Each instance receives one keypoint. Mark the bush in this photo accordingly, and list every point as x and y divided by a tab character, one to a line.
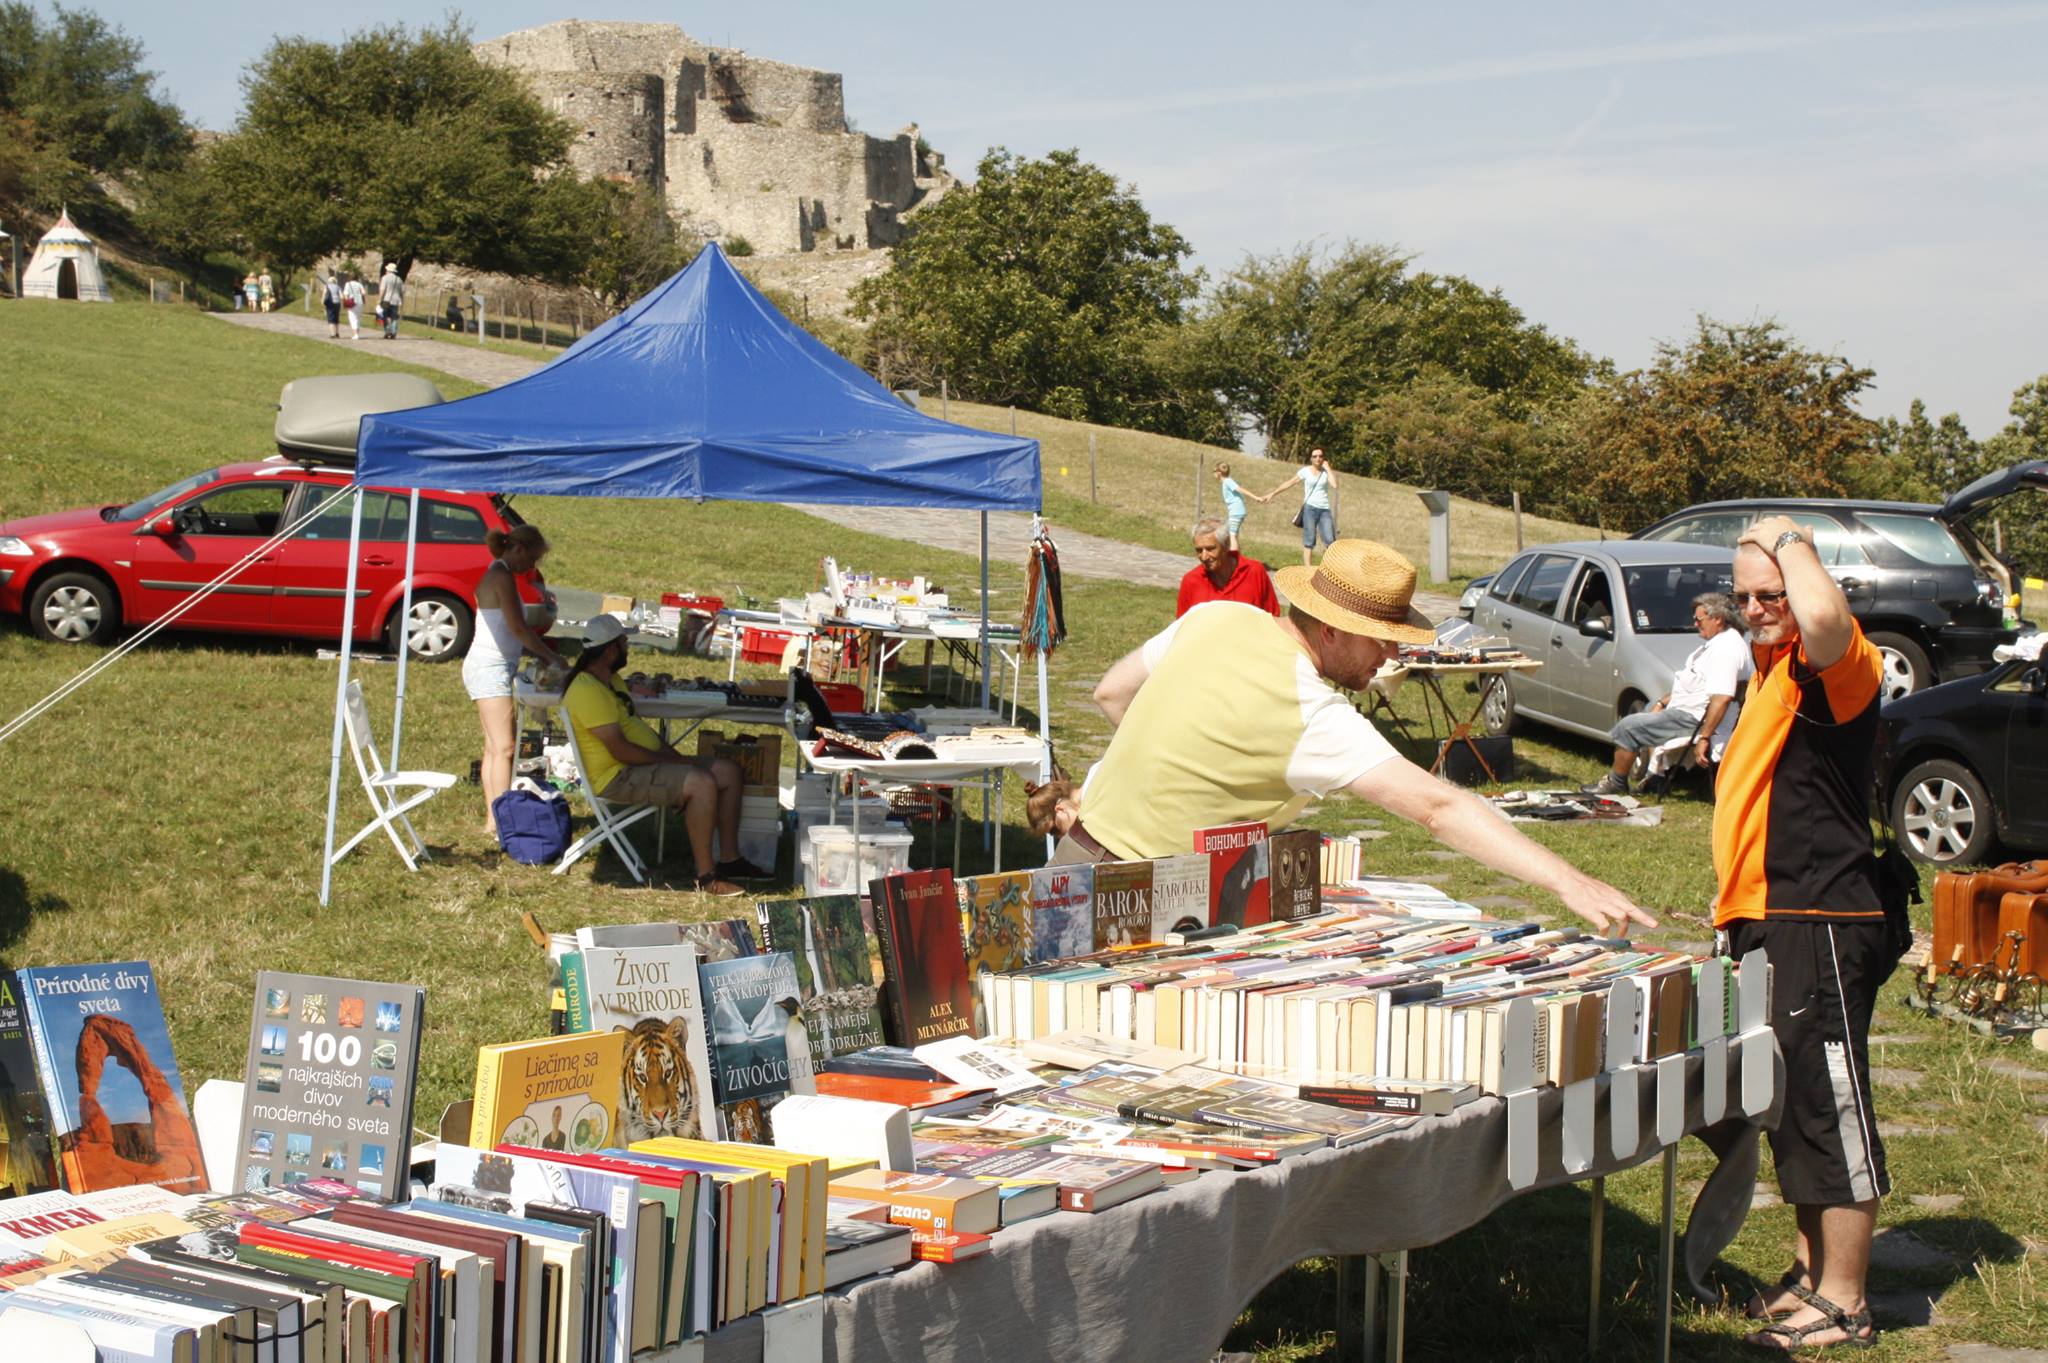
737	245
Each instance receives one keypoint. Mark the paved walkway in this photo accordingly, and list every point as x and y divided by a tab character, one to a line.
1009	533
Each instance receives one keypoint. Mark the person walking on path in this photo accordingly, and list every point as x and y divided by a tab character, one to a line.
330	299
1233	505
1318	504
1798	877
502	636
390	295
352	300
267	289
252	292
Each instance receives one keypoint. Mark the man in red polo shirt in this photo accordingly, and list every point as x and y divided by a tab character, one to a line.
1223	574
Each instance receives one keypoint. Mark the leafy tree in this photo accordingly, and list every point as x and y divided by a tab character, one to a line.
1045	283
76	106
1737	410
405	143
635	246
1443	431
1916	460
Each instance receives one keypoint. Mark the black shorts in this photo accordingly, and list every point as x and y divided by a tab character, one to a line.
333	314
1824	983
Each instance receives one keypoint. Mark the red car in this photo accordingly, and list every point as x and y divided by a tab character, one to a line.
82	576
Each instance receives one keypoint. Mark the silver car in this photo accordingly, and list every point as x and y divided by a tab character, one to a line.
1610	620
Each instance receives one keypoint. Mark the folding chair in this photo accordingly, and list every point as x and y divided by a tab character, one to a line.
383	786
612	820
1662	763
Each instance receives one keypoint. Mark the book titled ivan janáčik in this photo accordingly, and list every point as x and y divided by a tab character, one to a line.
924	958
328	1087
116	1100
826	939
759	1048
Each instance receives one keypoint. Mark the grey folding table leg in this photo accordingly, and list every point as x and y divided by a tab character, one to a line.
1351	1309
1597	1232
1667	1252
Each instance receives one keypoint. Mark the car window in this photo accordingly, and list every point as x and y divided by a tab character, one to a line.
251	509
156	501
383	515
1719	528
1834	542
1921	537
1504	581
1542	587
445	523
1660	596
1592	595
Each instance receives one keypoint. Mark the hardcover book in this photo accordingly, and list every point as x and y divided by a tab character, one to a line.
1180	894
556	1093
1123	904
924	963
1296	880
31	1165
997	922
834	974
119	1123
328	1085
926	1201
759	1048
1062	912
1237	872
654	998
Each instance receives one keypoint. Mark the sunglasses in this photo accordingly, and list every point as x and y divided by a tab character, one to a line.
1760	598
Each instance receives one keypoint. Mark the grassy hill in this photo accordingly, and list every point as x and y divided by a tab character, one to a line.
172	811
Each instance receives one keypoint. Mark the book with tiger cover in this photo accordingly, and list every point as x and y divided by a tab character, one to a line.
929	995
1123	904
653	996
116	1100
31	1163
1237	873
555	1093
835	974
1062	912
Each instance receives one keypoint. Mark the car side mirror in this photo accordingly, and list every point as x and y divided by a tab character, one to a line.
2037	681
163	527
1598	626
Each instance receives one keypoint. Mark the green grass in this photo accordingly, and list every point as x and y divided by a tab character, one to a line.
172	811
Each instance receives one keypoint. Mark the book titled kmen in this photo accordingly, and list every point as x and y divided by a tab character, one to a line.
328	1087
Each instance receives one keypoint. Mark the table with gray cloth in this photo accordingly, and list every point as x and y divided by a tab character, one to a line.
1164	1276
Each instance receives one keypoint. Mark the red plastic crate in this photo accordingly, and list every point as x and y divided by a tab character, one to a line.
844	697
764	645
710	605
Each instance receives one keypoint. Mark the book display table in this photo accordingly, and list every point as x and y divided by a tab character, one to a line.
982	769
1164	1276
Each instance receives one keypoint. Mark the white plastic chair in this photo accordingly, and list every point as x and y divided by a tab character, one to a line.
612	820
384	787
1665	760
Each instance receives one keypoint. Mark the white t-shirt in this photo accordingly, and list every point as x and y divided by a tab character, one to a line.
1717	667
1315	487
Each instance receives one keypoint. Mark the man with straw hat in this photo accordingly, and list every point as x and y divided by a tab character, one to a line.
1231	715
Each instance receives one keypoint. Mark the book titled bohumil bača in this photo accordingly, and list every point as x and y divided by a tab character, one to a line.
924	961
556	1093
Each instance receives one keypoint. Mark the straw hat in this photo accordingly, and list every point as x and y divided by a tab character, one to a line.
1361	587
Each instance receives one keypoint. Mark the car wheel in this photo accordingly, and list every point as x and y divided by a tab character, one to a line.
1499	710
1906	669
75	608
1942	813
1631	704
440	630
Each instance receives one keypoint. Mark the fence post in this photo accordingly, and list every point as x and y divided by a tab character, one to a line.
1091	467
945	402
1518	522
544	324
1198	485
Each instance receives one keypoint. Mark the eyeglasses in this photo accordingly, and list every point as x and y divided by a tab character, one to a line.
1760	598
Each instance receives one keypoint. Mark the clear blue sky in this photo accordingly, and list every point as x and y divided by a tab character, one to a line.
1872	175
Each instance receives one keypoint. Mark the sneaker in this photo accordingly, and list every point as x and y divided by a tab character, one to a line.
739	868
1610	784
718	887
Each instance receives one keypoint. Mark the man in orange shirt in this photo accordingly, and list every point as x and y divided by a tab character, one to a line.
1792	853
1221	573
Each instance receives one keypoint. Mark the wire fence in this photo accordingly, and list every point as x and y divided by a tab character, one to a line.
500	317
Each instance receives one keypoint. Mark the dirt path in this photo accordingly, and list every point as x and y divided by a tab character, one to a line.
1009	533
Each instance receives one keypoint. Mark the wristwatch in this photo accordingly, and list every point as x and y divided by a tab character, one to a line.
1789	537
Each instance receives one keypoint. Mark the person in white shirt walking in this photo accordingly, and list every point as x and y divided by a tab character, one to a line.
352	299
390	295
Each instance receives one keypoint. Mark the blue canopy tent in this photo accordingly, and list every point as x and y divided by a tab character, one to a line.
702	390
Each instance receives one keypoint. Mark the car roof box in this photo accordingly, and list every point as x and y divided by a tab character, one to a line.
2025	474
317	418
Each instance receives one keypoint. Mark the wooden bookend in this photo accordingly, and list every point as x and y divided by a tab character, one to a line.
1518	1047
794	1332
1522	1137
1713	998
1670	1099
1759	1070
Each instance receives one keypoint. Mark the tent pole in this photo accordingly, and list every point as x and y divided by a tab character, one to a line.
412	539
989	813
348	634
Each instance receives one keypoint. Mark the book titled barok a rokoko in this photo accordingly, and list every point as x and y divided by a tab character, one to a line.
557	1093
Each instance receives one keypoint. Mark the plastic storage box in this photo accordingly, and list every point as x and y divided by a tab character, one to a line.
828	857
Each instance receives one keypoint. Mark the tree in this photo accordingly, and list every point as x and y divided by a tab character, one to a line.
1916	460
1443	431
1737	410
635	245
404	143
75	107
1046	284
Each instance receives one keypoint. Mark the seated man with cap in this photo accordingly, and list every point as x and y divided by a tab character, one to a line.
629	764
1231	715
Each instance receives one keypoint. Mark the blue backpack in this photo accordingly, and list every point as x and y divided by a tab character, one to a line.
533	828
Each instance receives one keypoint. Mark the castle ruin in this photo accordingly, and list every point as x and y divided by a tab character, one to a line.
737	146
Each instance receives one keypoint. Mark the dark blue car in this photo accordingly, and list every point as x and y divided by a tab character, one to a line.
1963	768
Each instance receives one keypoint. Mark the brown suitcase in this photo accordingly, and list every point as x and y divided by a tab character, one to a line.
1966	908
2026	914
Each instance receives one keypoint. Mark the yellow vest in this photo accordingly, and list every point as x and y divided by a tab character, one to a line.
1207	739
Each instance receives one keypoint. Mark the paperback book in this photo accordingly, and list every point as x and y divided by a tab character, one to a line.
113	1123
1180	895
1294	862
835	977
1237	872
328	1085
924	962
1123	904
759	1048
1062	912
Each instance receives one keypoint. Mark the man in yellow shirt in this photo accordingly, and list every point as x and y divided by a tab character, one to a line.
1231	715
629	764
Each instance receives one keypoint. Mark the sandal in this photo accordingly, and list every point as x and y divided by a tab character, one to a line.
1792	1338
713	884
1801	1293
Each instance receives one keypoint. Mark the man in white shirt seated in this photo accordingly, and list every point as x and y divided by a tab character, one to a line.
1700	703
